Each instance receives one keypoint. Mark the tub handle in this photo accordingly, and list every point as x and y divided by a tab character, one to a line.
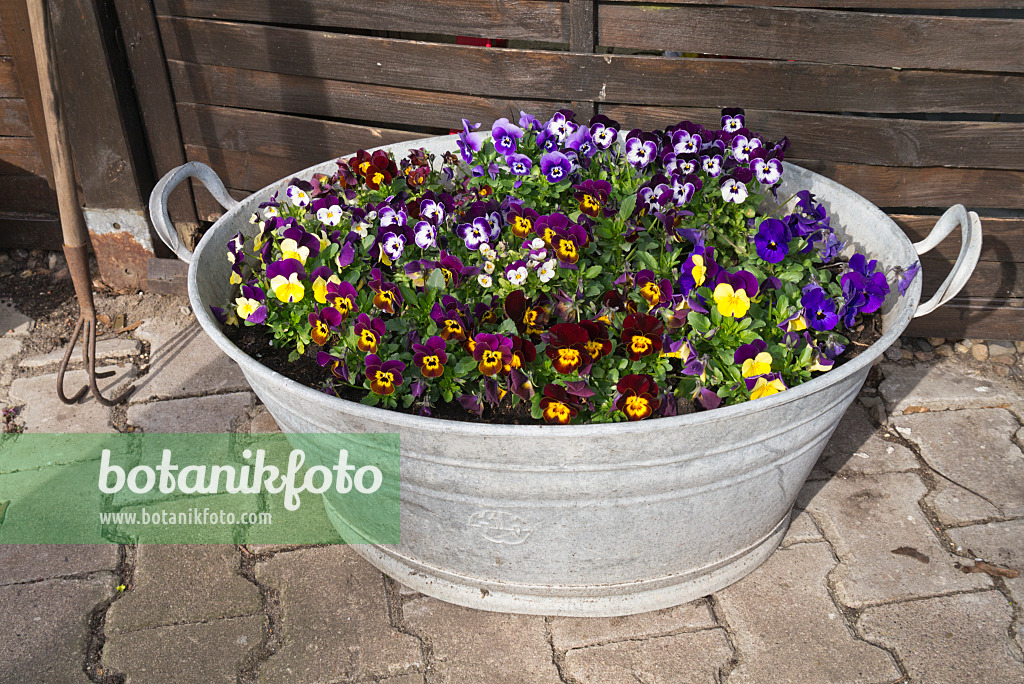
158	202
970	251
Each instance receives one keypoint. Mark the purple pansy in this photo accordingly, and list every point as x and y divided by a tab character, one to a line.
907	277
424	235
555	166
474	234
384	376
393	245
604	131
772	241
641	150
470	140
819	308
732	119
504	134
519	164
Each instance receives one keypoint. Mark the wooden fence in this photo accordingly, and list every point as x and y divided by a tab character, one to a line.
915	104
28	205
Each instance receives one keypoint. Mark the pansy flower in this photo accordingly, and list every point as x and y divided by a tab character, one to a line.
581	142
387	298
369	332
430	357
641	149
424	235
641	335
560	125
686	143
699	267
432	211
470	140
555	166
656	293
731	303
545	226
546	270
523	353
474	234
638	396
342	296
392	245
711	165
384	376
557	405
706	398
450	323
336	365
753	358
819	308
390	217
567	242
521	219
299	192
732	119
742	146
592	196
516	272
567	347
598	344
251	306
323	322
683	188
907	277
298	243
321	277
765	385
504	134
286	278
519	164
492	353
604	131
766	171
734	191
772	241
328	210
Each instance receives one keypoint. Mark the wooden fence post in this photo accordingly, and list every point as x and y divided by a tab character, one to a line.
108	148
582	39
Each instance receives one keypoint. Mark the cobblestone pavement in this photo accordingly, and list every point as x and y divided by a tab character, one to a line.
878	581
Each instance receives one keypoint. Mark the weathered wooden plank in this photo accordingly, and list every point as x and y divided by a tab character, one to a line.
562	77
247	89
99	138
280	135
167	276
5	47
540	20
862	140
19	157
148	67
26	195
30	232
8	78
14	117
582	26
827	36
853	4
991	279
14	14
991	319
893	186
250	171
1003	238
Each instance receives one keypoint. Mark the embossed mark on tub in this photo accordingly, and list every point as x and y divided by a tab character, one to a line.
500	527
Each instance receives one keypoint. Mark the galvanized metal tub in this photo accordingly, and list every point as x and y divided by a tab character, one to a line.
592	520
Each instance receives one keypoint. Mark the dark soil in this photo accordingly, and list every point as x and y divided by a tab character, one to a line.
255	341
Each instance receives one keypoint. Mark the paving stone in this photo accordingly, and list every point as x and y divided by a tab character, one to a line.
802	529
9	348
787	629
12	321
174	584
1001	543
184	362
943	386
263	422
857	447
211	652
954	505
107	349
45	412
335	622
694	658
472	646
570	633
975	450
30	563
44	629
216	413
949	640
866	518
31	498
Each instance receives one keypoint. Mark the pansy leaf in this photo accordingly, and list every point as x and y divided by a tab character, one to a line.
592	272
435	281
507	327
370	399
407	400
408	294
465	364
627	207
368	242
648	259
